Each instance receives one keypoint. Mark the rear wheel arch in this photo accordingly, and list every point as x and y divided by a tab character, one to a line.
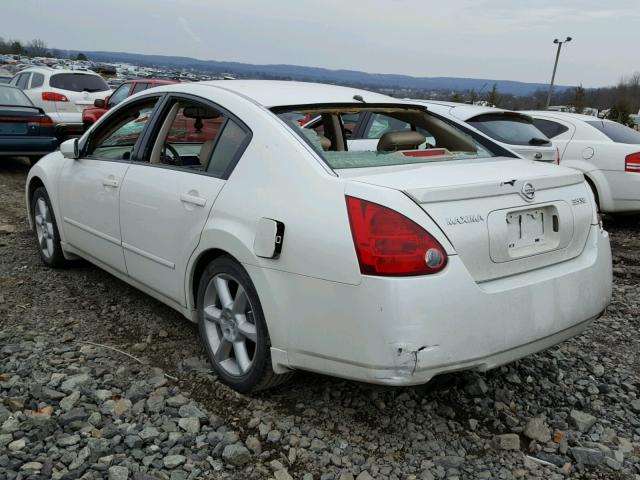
204	259
594	189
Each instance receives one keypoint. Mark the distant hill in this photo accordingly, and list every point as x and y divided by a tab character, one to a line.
296	72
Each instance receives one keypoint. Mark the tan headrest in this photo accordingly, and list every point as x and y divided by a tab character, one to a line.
325	143
393	141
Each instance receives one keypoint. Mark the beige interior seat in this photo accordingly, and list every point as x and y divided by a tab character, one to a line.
394	141
325	143
205	151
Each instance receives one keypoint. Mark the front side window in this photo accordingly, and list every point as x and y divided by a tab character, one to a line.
78	82
509	129
119	95
616	131
401	135
116	138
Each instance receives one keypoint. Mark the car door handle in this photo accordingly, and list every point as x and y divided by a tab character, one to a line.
193	199
110	182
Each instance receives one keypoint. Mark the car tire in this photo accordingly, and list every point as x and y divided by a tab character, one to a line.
233	328
46	231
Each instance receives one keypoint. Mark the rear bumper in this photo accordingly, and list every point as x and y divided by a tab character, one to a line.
27	146
405	331
67	122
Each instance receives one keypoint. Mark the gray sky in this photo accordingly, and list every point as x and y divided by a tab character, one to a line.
497	39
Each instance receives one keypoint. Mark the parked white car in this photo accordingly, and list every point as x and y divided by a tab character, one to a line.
512	130
608	153
62	94
387	266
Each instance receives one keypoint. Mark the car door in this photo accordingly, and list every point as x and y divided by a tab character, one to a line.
89	187
167	196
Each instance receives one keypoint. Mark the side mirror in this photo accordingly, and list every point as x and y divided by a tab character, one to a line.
70	149
100	103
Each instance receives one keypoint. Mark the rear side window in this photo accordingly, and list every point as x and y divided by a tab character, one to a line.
23	80
617	132
138	87
549	128
12	96
229	147
510	129
78	82
37	80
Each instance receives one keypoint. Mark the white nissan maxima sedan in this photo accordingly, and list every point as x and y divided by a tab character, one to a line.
291	252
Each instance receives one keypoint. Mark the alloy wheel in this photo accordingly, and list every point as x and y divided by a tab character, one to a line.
44	227
229	324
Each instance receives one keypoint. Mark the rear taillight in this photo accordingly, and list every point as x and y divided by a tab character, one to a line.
557	156
632	163
54	97
46	121
389	244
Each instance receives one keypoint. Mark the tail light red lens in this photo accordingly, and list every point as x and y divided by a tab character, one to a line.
632	163
389	244
54	97
46	121
557	156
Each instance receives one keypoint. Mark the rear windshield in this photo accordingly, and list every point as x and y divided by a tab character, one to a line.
616	131
78	82
355	136
13	97
510	129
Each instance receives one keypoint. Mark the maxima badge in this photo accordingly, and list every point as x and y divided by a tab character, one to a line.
528	192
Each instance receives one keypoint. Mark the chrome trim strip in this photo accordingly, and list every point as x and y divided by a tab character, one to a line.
150	256
92	231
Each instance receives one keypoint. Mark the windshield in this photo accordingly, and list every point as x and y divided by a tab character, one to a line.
12	96
361	136
510	129
78	82
617	132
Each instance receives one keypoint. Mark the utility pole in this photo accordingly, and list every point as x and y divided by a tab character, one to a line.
555	66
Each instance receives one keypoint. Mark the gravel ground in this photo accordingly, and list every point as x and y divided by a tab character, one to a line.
73	407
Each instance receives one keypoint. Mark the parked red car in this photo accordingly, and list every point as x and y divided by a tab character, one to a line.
92	114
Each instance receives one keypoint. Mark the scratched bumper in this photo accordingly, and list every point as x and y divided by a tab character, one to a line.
403	331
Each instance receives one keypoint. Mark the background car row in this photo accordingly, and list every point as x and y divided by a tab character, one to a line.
607	153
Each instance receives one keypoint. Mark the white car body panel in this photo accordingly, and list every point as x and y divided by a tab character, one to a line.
88	193
322	313
602	160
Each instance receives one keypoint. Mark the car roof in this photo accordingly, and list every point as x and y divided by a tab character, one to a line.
575	116
465	112
276	93
151	80
56	70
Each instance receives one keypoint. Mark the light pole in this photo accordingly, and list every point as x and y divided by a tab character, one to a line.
555	66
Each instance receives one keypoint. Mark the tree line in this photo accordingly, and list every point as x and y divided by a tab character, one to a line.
620	100
34	48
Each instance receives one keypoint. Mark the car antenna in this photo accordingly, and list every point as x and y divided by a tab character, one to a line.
358	98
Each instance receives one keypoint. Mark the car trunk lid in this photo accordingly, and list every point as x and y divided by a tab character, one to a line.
502	216
20	120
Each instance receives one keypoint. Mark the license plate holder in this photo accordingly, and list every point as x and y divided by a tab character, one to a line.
525	228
